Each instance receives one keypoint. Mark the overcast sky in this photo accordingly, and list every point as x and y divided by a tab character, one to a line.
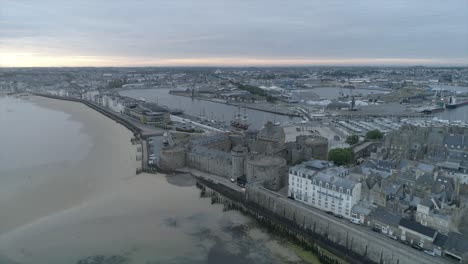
235	32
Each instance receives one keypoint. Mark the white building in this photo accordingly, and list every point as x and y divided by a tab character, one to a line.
326	189
90	95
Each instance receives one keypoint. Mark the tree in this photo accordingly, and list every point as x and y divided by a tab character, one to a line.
353	139
374	134
341	156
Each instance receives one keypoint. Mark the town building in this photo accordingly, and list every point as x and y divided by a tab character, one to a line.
323	186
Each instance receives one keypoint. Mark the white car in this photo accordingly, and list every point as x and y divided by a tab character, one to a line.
355	221
430	253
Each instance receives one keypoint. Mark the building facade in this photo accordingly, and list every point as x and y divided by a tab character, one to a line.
325	189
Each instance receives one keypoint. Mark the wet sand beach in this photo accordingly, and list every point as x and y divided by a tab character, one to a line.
97	208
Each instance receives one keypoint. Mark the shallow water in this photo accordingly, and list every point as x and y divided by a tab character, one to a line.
90	207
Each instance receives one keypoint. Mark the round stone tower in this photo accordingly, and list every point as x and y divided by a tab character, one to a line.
238	154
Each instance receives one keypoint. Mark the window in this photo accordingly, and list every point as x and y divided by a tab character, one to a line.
341	190
327	186
334	188
348	192
320	184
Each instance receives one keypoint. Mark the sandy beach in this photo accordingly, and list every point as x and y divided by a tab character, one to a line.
97	206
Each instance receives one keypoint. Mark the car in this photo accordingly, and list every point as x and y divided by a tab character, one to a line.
233	180
355	221
329	212
430	253
393	237
417	247
375	229
404	242
338	216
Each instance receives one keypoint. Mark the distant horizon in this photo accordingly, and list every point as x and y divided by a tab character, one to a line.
271	63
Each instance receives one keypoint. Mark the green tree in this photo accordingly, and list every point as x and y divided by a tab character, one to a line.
353	139
374	134
341	156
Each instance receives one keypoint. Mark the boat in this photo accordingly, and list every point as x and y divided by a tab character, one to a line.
452	103
431	110
240	122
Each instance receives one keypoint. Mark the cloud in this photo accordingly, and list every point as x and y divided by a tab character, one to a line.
209	29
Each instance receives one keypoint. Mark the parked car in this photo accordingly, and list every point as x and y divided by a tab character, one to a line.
404	242
392	237
329	212
355	221
375	229
233	180
417	247
338	216
430	253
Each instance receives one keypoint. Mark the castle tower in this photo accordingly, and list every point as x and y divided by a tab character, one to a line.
238	156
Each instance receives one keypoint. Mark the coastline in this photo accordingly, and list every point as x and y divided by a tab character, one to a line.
100	207
54	189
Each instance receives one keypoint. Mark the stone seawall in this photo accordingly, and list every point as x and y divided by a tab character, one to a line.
136	130
353	243
346	236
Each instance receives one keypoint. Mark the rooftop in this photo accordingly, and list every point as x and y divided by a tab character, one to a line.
417	227
382	215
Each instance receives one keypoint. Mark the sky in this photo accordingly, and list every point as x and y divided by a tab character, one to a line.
232	32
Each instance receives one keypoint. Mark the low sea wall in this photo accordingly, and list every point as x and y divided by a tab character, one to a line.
313	228
136	130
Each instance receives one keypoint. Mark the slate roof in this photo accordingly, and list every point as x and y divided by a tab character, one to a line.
385	165
440	240
443	183
382	215
361	209
425	180
334	180
425	167
455	140
456	242
417	227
